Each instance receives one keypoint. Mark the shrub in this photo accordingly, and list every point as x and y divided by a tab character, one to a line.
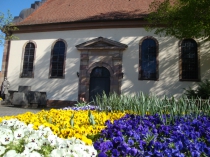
202	91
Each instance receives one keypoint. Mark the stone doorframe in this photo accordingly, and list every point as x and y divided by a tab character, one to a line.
100	52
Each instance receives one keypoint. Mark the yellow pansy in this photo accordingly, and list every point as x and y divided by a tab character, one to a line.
59	122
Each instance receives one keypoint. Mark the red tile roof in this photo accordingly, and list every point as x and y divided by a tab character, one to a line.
57	11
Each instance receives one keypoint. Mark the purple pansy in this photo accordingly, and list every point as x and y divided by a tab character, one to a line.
134	135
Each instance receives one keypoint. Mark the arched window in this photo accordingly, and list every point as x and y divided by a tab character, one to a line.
28	60
189	60
148	59
57	60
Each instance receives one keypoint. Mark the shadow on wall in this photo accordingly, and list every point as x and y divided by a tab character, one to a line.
204	49
168	83
55	88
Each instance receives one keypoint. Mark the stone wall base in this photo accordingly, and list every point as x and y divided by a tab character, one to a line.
60	103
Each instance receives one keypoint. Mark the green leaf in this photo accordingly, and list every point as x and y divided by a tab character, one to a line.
180	18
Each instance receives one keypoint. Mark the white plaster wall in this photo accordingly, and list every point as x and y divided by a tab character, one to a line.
67	89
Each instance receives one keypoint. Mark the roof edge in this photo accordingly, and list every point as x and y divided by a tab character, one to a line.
81	25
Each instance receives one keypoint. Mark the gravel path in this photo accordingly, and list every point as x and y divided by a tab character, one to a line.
13	110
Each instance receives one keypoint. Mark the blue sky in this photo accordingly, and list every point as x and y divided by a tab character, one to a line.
15	7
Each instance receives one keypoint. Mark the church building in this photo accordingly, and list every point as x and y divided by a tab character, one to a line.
75	49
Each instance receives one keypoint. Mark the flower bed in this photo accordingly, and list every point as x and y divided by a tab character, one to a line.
20	140
130	135
61	124
135	135
113	132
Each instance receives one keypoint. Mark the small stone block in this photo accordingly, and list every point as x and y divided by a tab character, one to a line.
34	105
19	98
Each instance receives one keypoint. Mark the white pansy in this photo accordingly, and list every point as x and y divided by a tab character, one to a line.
33	138
81	153
19	124
2	150
26	153
28	132
41	127
5	139
78	147
78	141
10	153
62	146
56	153
47	129
91	151
13	131
66	153
61	141
69	143
30	128
52	139
5	129
43	142
5	122
59	153
31	146
19	155
19	134
11	122
74	154
35	154
42	133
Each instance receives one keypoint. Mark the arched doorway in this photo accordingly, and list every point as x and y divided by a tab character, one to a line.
99	82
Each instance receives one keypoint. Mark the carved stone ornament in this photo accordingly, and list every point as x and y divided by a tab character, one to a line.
101	43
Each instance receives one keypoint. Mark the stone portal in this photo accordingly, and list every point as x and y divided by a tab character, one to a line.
100	53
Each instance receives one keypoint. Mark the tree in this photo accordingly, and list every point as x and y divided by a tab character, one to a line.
6	27
180	18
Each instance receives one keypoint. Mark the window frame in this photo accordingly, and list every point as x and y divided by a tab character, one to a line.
23	56
51	59
140	59
181	59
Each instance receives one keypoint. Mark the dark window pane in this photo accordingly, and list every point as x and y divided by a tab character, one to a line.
25	66
30	45
25	59
57	61
189	59
56	45
54	73
54	66
27	51
31	58
55	51
60	73
28	60
148	59
60	65
30	65
55	58
31	52
61	50
61	58
61	44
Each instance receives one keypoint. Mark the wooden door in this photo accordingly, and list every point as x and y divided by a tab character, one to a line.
99	82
